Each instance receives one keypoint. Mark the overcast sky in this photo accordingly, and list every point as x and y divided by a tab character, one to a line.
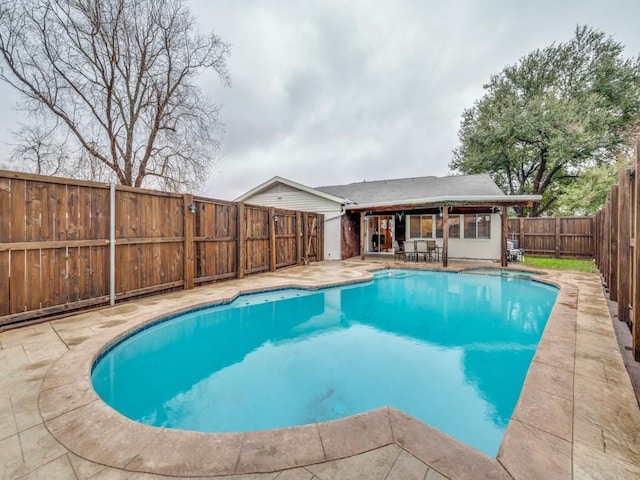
331	92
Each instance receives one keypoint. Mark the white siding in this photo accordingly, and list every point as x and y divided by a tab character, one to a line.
286	197
474	248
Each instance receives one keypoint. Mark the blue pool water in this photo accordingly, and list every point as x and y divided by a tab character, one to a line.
449	349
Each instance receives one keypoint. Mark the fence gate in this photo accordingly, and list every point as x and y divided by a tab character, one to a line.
313	237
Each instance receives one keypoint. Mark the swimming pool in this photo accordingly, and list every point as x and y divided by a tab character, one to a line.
449	349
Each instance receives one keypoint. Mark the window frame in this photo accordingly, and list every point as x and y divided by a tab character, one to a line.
422	220
475	222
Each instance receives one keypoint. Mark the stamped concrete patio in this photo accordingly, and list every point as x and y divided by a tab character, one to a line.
577	416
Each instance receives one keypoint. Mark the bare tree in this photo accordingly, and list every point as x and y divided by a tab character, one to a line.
37	151
120	77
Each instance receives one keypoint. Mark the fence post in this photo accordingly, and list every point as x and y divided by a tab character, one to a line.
272	239
557	237
635	297
504	235
240	243
363	230
305	236
299	236
188	223
613	249
445	235
624	246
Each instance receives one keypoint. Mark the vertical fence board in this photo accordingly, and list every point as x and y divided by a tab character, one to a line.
84	213
46	281
17	210
7	191
84	266
4	283
99	271
18	282
32	280
624	245
60	276
32	206
613	245
73	290
58	208
72	212
5	211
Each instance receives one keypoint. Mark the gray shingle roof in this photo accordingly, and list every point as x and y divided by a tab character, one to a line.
397	190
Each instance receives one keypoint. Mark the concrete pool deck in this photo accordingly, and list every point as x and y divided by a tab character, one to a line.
577	416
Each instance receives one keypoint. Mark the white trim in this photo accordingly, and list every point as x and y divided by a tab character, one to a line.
275	180
454	198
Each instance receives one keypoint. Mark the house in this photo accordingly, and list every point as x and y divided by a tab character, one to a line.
465	214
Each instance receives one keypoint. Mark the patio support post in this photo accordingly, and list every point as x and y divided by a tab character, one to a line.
445	235
362	234
505	232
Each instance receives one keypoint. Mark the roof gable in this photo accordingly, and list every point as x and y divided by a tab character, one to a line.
275	181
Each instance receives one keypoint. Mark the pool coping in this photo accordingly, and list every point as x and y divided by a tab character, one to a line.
540	429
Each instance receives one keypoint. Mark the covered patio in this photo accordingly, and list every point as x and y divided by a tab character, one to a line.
445	213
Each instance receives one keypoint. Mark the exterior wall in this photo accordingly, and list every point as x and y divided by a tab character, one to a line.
472	248
286	197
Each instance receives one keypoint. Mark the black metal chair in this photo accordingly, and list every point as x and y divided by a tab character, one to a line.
432	254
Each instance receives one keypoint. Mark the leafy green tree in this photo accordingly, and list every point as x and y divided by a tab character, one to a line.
558	111
588	193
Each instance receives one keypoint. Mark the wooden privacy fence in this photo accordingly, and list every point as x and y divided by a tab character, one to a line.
554	237
616	255
63	246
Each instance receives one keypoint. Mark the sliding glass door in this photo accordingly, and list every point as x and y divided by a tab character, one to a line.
379	234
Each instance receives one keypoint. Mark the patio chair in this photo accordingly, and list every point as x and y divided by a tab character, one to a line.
397	251
432	254
410	250
421	249
514	254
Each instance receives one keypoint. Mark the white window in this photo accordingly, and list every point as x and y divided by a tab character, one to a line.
421	226
477	226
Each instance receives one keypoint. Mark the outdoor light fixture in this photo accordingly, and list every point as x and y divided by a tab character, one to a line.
192	207
275	217
441	210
